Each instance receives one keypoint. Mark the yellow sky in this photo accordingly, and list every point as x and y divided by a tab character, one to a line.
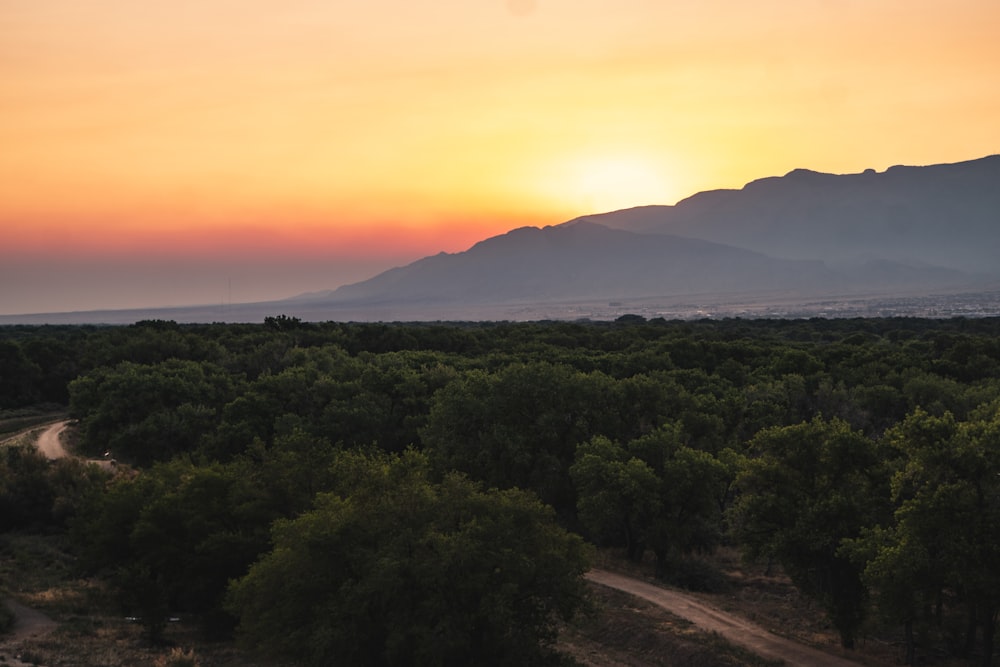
322	130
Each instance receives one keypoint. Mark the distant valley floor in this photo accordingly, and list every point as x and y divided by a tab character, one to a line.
939	304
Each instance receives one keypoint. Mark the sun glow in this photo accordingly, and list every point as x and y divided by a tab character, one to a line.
611	182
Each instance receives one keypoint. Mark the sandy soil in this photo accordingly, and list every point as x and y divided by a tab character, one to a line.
732	628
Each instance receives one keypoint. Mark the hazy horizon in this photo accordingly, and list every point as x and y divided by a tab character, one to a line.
174	154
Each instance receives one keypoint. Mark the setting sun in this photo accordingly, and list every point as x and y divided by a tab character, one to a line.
601	184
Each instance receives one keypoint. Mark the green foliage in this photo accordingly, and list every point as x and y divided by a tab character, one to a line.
631	430
144	593
804	491
36	492
398	570
693	488
944	539
145	413
518	427
25	496
174	536
618	497
655	492
283	323
19	377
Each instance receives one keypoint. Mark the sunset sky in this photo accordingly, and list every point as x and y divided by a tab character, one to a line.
162	153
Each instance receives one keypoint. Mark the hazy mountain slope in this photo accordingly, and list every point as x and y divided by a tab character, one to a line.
585	260
941	215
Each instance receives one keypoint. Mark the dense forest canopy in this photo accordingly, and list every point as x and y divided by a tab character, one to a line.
293	482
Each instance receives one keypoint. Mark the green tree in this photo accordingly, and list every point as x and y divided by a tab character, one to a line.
59	362
692	490
518	427
25	495
904	577
146	413
901	565
398	570
654	493
944	542
19	377
173	537
805	490
617	495
36	492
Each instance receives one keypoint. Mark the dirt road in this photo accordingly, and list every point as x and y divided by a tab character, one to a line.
732	628
48	442
30	622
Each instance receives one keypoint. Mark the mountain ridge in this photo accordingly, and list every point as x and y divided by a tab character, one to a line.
806	234
805	242
581	260
841	217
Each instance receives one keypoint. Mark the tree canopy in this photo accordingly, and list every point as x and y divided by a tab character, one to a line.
368	458
398	570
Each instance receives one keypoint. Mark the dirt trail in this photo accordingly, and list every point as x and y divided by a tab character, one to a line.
30	622
734	629
48	442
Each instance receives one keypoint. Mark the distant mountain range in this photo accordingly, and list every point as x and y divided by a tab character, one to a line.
805	237
945	216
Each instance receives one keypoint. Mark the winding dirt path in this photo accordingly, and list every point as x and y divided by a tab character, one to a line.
48	442
734	629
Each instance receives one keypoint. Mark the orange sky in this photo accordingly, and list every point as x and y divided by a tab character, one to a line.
168	153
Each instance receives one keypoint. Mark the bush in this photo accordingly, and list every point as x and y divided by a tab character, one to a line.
694	574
